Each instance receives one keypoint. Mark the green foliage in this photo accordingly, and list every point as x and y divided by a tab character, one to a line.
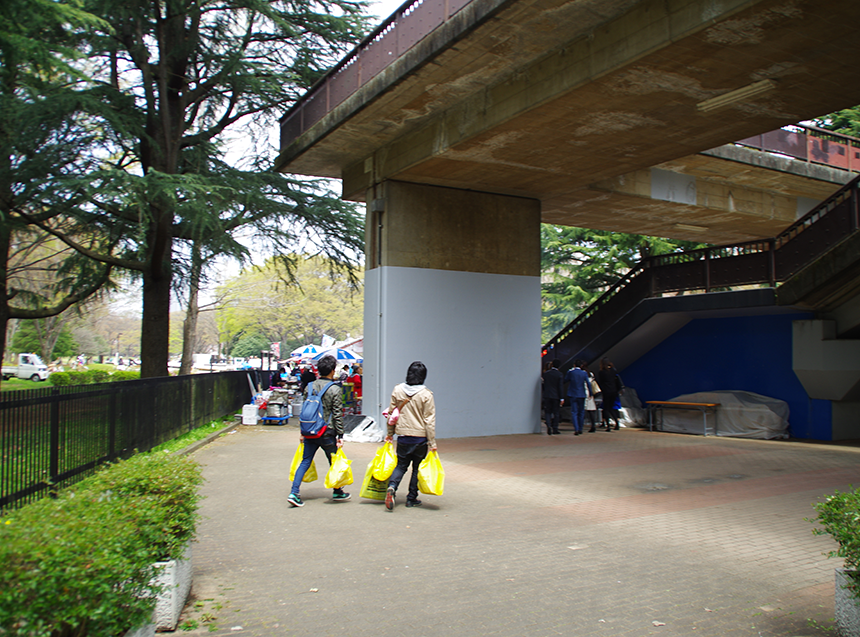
250	345
259	302
124	374
167	482
82	564
578	265
60	379
29	337
839	517
90	377
846	121
93	376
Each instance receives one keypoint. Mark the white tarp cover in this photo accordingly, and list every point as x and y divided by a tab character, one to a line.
741	414
364	429
632	414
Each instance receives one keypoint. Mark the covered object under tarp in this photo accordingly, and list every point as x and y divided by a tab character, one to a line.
741	414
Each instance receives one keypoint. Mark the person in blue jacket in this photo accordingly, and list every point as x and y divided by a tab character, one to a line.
577	389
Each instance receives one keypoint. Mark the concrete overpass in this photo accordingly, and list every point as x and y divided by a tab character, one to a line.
464	126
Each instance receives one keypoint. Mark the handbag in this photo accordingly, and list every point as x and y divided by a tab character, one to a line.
340	473
384	462
310	474
394	416
431	475
371	488
595	388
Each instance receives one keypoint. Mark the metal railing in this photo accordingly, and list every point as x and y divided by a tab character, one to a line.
766	262
810	144
407	26
52	437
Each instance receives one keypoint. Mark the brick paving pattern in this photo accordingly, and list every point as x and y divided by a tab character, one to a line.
628	533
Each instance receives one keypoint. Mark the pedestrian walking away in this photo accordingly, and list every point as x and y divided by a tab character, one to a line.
553	396
612	387
578	389
415	430
332	438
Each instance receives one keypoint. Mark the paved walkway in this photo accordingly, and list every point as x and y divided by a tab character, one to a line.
627	533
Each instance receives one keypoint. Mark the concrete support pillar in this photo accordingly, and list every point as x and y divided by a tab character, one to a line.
453	280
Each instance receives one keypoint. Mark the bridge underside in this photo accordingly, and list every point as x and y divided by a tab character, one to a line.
607	114
548	99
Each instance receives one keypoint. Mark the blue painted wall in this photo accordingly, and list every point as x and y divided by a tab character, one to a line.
750	353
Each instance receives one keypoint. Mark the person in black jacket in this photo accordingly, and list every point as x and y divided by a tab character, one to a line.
611	387
553	393
306	378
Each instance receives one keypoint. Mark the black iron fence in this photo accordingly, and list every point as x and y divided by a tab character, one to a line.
52	437
765	262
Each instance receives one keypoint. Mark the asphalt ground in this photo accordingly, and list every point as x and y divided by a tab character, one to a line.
623	533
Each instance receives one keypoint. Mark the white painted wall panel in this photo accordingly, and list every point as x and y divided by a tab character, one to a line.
478	334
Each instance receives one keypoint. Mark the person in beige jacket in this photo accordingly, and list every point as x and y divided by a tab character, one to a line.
415	429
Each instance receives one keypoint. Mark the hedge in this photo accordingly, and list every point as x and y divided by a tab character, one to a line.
89	377
82	564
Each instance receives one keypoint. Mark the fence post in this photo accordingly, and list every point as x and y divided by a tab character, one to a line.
855	210
112	410
707	271
54	458
771	263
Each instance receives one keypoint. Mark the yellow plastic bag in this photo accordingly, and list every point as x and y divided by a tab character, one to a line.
310	474
384	462
340	473
431	475
371	488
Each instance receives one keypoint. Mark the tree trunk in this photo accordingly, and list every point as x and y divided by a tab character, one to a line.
157	279
189	327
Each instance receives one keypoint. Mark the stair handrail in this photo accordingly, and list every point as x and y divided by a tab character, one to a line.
650	263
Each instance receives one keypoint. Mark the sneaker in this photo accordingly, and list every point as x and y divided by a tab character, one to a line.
295	500
413	503
340	497
389	499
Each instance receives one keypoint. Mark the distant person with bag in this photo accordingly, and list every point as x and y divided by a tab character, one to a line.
591	400
415	427
332	438
612	387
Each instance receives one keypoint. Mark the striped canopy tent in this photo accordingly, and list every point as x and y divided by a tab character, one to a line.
306	352
340	355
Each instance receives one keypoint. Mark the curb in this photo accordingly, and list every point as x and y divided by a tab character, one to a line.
205	441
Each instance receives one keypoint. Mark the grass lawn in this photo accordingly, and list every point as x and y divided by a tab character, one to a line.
16	384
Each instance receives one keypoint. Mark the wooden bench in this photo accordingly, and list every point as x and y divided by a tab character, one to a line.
705	408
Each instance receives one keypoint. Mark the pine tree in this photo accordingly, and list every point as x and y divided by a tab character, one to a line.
44	142
190	73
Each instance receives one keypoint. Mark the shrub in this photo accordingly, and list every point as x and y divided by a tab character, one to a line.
82	564
839	515
125	375
94	376
60	379
170	482
78	378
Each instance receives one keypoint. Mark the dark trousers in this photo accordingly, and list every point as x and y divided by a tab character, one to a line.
609	411
552	410
408	454
328	444
577	412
